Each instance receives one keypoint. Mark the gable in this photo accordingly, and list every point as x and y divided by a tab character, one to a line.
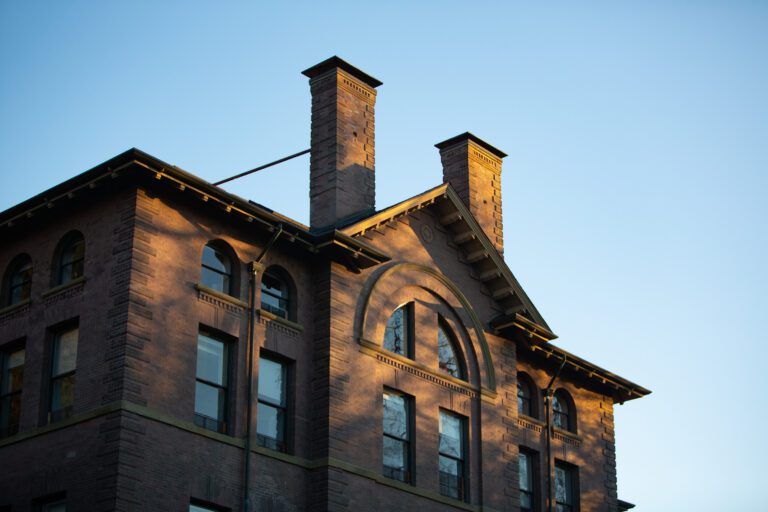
470	243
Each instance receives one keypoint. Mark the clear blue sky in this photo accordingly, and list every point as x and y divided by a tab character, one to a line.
635	190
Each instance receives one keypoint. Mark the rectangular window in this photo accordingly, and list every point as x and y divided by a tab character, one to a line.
528	464
11	378
397	436
211	383
63	365
565	487
273	404
452	445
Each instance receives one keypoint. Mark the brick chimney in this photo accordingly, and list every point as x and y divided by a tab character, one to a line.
473	168
341	168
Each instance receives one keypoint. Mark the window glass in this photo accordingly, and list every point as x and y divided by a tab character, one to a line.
526	482
65	352
216	270
446	350
564	488
272	405
200	508
562	413
20	280
59	506
523	397
396	442
72	258
274	295
210	360
211	383
397	331
10	391
451	459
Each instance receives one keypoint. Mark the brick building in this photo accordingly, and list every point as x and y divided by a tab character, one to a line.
167	345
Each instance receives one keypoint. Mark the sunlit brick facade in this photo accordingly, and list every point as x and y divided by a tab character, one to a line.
202	352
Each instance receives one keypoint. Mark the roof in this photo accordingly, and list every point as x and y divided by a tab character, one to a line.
135	163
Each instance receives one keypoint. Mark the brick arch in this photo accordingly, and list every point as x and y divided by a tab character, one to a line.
388	290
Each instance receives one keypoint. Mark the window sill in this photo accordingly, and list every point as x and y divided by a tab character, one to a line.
566	436
287	323
14	307
221	296
62	287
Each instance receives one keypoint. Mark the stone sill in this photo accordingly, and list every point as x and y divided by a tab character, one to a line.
286	323
62	287
14	307
221	296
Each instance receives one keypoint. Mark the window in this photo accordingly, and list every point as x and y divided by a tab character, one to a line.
216	270
12	365
71	258
565	487
564	415
447	353
397	436
398	333
451	460
527	464
18	280
275	294
525	396
273	403
63	365
211	383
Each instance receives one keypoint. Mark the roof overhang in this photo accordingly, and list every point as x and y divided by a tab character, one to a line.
139	165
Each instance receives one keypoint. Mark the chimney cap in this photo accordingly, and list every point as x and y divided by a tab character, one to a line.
336	62
466	136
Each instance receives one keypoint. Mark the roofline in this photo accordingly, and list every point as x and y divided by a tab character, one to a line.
207	192
591	370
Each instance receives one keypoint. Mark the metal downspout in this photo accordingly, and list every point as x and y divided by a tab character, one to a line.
253	270
548	405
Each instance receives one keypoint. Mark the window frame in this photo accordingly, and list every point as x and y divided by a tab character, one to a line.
202	420
229	278
67	245
409	331
289	294
6	352
450	336
463	481
571	473
532	457
563	399
524	381
57	334
265	441
408	476
16	267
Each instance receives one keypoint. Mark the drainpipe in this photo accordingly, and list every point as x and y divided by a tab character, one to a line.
548	393
254	268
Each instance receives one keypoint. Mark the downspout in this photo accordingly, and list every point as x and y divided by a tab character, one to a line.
548	405
253	270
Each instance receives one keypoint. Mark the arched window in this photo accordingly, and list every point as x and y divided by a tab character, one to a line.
448	355
71	258
18	280
398	333
216	269
564	413
526	396
276	293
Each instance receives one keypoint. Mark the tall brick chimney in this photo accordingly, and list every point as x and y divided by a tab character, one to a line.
473	168
341	168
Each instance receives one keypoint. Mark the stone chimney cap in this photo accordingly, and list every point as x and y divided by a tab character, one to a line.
474	138
336	62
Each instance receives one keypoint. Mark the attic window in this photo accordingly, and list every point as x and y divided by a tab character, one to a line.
398	333
449	361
